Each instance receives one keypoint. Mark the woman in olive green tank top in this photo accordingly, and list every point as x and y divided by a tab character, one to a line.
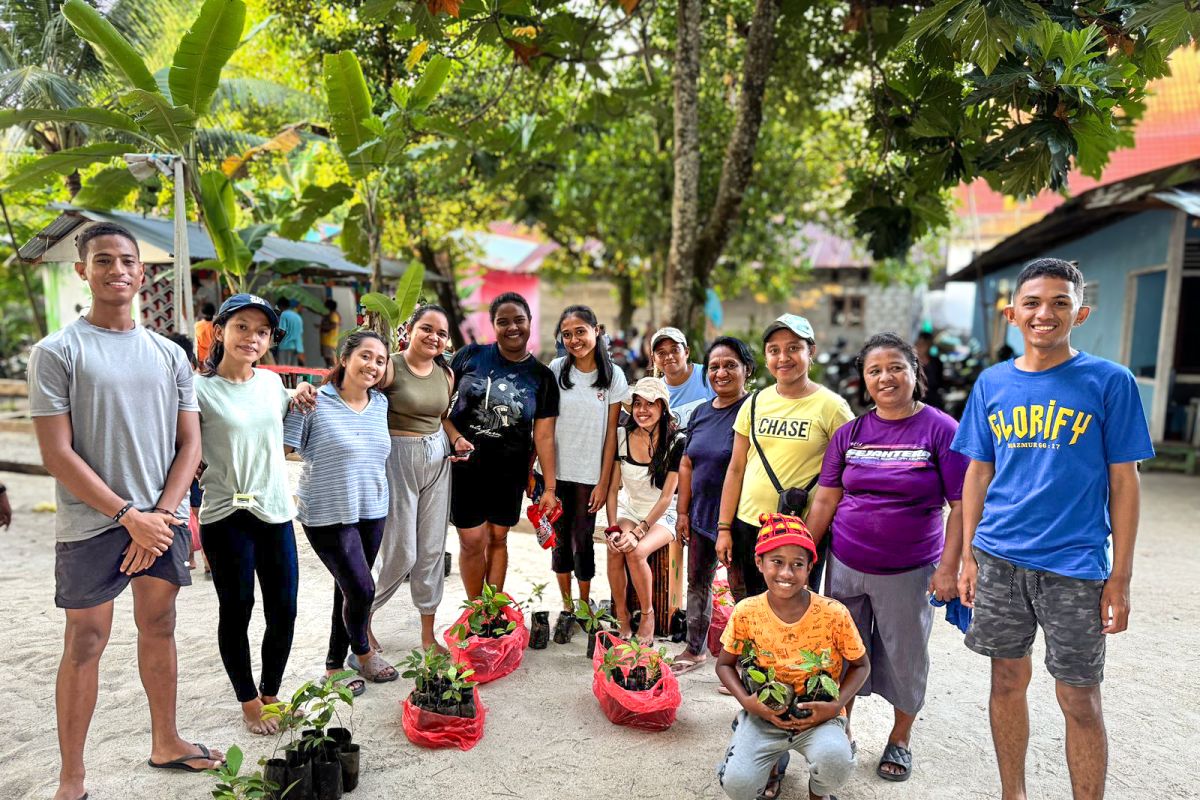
418	386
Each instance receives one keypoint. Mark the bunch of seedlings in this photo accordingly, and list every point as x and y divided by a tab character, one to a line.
819	686
592	620
440	685
485	617
633	667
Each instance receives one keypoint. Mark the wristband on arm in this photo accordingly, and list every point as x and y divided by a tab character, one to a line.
124	510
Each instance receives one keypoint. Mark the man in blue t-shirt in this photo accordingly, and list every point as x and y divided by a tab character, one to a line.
1054	438
291	345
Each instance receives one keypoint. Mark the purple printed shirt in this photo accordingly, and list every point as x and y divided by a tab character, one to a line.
897	476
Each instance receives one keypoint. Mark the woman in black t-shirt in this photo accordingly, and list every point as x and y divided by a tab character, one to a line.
503	412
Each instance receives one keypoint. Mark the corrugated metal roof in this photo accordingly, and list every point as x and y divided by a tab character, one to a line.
161	233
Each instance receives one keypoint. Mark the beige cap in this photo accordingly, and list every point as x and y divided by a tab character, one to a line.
651	389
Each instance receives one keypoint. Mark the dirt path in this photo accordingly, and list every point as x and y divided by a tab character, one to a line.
546	737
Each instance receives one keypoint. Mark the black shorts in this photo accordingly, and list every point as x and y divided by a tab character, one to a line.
88	573
1011	602
574	532
484	489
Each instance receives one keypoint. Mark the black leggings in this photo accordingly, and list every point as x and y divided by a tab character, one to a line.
237	547
573	532
348	552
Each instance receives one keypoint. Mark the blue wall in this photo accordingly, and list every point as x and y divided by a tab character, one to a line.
1105	257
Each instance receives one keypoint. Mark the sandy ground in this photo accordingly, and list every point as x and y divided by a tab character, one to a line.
546	736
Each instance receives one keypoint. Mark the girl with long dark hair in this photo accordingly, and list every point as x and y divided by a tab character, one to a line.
641	499
246	512
343	494
418	385
503	412
585	438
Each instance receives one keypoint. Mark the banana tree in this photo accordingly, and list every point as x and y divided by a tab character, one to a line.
150	115
237	245
376	150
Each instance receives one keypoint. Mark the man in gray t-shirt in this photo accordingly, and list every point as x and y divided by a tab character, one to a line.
118	426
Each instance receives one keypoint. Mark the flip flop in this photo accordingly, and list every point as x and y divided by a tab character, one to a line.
181	762
900	757
686	663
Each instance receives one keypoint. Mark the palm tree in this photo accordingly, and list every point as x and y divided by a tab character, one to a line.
45	65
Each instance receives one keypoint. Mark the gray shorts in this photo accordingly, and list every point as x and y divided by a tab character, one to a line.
1011	602
88	573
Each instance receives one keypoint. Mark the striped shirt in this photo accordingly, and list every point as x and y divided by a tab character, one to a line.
345	455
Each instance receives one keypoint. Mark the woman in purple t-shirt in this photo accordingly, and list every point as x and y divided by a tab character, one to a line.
888	476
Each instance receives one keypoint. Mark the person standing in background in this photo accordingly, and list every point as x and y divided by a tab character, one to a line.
685	380
931	365
291	346
204	332
331	328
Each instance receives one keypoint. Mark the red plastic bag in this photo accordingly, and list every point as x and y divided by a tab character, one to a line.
651	710
722	610
720	618
491	658
430	729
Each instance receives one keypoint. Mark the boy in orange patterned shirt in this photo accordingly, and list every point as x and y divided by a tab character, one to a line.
783	621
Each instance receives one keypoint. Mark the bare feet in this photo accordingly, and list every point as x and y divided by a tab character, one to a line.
375	645
253	718
645	632
180	749
426	643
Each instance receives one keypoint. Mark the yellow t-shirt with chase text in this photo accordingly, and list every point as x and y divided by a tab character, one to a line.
793	435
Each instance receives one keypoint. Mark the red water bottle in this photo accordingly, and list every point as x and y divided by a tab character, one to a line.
543	524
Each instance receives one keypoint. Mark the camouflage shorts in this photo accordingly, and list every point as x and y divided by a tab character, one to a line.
1011	602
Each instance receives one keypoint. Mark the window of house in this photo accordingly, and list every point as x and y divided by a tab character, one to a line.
848	311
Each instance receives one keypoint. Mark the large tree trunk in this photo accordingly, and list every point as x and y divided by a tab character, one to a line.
438	263
685	201
687	278
625	308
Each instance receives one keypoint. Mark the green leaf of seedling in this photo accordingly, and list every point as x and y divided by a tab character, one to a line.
430	83
756	675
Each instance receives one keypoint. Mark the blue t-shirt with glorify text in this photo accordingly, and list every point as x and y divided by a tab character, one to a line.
1052	436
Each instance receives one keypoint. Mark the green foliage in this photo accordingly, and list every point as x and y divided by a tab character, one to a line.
35	173
627	655
485	616
107	188
203	52
111	46
593	620
231	785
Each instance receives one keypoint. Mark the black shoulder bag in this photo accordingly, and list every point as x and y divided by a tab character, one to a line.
793	500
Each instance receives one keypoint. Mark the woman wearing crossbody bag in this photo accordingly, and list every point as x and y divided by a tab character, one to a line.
777	456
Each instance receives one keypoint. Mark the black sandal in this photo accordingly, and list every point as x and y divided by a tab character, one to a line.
898	756
775	781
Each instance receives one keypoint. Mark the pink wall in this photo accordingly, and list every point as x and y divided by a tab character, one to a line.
496	283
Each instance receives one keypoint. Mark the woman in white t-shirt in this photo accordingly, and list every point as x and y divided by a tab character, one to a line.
585	438
641	499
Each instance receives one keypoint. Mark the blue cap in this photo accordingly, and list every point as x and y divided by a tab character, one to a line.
240	301
791	322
